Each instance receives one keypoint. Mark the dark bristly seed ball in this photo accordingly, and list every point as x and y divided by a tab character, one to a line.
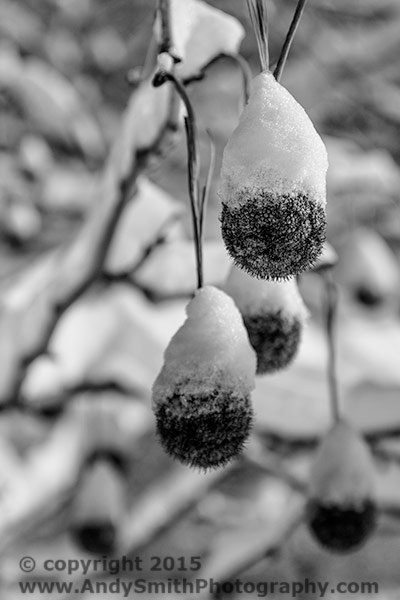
341	528
204	431
274	237
97	537
275	339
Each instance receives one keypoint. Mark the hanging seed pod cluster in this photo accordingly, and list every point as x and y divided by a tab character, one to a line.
273	225
273	220
273	179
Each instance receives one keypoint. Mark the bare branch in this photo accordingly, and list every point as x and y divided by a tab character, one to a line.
58	281
163	505
266	544
242	64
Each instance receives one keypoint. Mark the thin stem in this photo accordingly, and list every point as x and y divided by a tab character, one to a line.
193	166
259	19
247	75
207	187
289	39
331	309
164	8
194	196
241	62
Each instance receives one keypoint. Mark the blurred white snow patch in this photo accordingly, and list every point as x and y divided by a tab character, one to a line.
296	402
145	116
144	219
170	271
353	168
50	102
199	33
114	335
253	295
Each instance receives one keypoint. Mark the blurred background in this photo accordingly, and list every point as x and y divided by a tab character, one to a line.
81	472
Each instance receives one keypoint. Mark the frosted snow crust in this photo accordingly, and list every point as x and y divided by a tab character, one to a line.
210	351
275	147
254	296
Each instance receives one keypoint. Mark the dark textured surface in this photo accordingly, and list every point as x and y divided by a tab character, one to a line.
98	537
341	528
368	297
275	339
204	431
274	237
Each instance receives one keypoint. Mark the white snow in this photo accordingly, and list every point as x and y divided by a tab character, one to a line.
253	295
275	147
199	33
210	351
343	470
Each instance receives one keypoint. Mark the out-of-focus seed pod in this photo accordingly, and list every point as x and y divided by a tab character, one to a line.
342	511
369	269
273	185
273	313
99	506
201	398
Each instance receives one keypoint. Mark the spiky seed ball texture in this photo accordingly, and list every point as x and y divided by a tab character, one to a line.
274	237
201	398
275	339
273	185
341	510
274	315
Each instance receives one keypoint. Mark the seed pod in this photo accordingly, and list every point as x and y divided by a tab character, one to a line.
273	185
341	511
274	315
98	506
201	398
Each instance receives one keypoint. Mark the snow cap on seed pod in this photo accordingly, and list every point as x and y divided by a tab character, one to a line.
341	511
273	185
201	398
273	313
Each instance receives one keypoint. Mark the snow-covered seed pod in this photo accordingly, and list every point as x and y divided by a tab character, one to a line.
273	185
201	398
342	511
99	505
273	313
